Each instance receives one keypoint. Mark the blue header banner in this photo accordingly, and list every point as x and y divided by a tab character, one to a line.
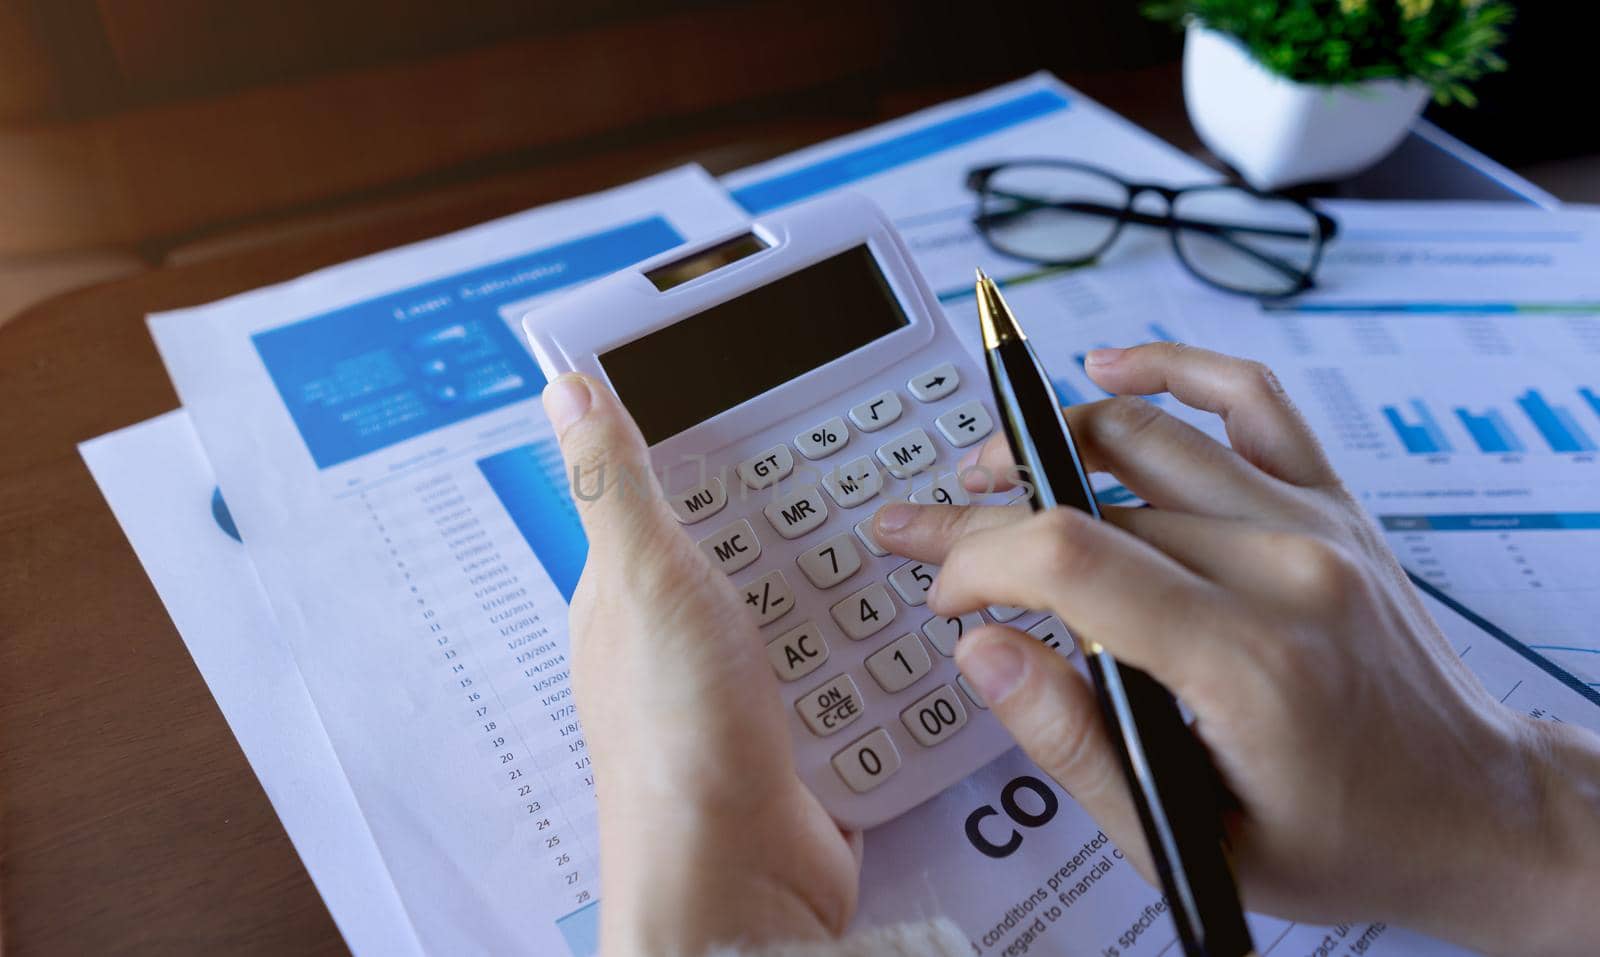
909	147
367	376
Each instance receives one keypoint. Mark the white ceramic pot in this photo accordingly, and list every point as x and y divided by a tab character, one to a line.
1277	132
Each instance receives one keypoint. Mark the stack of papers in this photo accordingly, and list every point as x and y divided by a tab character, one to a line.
358	521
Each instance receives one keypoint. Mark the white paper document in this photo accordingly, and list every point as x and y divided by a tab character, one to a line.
1006	854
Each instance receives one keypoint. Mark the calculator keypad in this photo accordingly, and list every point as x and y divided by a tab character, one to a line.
832	562
797	512
1054	635
797	652
830	554
733	546
877	412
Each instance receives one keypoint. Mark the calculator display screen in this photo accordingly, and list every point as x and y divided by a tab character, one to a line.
679	376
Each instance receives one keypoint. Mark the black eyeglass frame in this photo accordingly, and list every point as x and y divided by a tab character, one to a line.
1303	279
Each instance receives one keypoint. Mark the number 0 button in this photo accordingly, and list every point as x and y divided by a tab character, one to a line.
868	762
935	717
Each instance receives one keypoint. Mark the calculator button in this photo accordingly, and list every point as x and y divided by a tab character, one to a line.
1005	612
944	490
831	707
821	441
769	597
876	412
853	482
935	717
864	532
907	454
965	424
831	562
972	693
700	502
797	652
866	612
912	580
900	663
770	466
798	512
1054	635
935	384
944	632
868	762
733	546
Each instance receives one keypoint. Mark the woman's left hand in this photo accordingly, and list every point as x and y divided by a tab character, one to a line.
707	835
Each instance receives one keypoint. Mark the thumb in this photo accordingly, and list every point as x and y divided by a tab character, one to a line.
1051	710
607	461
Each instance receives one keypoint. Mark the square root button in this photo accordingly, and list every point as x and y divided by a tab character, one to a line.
830	708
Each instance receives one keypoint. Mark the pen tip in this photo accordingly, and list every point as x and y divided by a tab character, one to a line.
981	276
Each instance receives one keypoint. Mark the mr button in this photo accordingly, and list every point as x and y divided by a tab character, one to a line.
831	707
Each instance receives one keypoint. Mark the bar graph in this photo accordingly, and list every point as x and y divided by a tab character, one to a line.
1560	430
1591	397
1422	437
1490	431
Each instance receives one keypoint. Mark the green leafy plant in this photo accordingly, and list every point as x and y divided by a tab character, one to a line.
1445	44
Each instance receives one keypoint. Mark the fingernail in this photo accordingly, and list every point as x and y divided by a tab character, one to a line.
996	668
1100	358
970	460
895	516
566	400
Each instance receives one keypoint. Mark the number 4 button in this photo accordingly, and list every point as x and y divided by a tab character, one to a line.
866	612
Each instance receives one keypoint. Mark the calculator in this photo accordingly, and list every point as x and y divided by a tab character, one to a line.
790	378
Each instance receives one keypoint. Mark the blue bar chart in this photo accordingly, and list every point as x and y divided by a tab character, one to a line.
1490	431
1421	437
1555	423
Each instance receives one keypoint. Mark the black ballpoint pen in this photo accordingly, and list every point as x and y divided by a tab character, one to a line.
1174	785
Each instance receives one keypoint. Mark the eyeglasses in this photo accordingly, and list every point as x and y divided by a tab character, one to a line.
1064	213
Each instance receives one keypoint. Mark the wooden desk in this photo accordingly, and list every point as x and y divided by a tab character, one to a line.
129	820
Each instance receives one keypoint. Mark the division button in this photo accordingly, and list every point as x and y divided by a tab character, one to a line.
965	424
1054	634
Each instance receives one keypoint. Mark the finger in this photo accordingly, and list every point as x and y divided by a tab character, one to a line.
1263	424
1104	583
1051	711
926	532
608	464
1245	557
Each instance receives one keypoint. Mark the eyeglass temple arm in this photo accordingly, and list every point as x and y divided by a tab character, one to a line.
1221	231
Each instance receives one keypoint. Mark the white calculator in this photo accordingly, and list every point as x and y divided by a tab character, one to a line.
790	379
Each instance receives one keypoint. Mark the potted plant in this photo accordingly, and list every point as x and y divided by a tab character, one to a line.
1296	91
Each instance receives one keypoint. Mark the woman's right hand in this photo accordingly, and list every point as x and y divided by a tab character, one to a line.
1377	778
